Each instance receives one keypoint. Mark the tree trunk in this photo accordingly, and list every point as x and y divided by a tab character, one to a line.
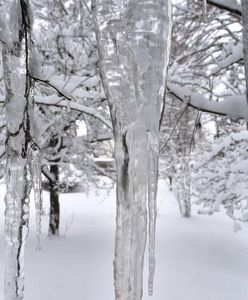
184	141
183	196
54	202
134	41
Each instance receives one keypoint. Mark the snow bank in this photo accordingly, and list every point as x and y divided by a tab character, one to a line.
197	259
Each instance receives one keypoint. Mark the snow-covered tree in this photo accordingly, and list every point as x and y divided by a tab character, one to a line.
220	178
68	58
202	70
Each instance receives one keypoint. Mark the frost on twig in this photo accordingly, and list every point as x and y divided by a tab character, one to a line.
220	178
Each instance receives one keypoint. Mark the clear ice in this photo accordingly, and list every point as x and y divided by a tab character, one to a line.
134	42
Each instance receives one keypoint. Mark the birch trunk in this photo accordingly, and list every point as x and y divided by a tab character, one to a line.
134	40
54	202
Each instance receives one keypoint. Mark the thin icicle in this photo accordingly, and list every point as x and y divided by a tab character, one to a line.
204	10
152	205
68	105
35	171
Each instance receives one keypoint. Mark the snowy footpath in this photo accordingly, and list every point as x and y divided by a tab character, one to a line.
197	259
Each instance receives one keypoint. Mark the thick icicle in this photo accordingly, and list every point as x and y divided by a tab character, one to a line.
17	183
16	225
17	85
134	41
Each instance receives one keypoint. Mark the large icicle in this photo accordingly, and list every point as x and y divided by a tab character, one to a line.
14	31
16	225
134	41
17	187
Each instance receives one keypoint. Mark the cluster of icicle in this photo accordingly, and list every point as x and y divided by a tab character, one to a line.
134	40
21	177
23	170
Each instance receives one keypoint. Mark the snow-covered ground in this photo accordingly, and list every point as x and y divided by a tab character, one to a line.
197	259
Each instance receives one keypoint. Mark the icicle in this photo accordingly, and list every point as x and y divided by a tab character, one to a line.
16	226
204	10
131	215
68	105
15	65
134	53
152	204
17	177
35	171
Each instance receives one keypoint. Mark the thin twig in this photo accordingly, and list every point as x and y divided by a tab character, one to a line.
173	129
47	82
197	120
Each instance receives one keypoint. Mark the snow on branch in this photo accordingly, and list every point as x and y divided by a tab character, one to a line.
229	5
60	102
226	142
235	56
220	181
234	106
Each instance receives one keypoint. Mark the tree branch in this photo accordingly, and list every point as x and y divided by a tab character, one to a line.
234	107
59	102
226	5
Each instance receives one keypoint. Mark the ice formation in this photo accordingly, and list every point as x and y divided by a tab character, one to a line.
134	42
22	161
35	172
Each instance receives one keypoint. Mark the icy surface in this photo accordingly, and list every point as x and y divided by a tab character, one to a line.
200	258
